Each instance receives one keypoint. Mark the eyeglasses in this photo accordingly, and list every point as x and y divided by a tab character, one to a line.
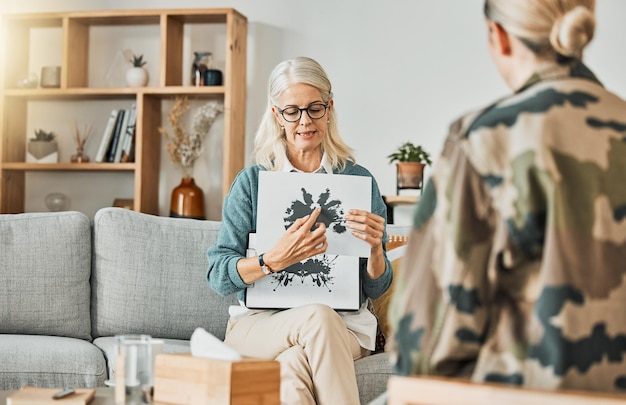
293	114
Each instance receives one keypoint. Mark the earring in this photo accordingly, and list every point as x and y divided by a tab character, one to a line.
328	121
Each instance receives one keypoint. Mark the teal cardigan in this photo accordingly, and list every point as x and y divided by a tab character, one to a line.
239	215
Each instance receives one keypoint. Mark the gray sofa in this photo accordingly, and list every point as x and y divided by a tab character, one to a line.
68	285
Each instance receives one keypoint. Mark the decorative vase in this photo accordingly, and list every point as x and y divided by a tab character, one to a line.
187	200
212	77
57	202
51	76
201	62
136	77
80	156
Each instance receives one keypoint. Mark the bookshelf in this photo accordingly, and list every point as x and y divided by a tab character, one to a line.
166	29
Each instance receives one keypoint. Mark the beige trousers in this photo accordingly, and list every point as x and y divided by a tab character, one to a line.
315	350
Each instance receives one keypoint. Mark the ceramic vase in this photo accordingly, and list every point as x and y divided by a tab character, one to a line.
212	77
187	200
136	77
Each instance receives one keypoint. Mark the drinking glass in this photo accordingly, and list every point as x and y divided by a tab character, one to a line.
134	376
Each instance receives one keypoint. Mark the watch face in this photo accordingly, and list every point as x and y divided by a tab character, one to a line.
266	269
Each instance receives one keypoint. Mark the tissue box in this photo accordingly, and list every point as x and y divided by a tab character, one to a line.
184	379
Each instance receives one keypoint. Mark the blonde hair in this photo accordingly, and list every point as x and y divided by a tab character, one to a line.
547	27
270	143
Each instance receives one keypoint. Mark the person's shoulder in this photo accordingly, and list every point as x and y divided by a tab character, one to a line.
250	171
354	169
462	124
550	99
247	176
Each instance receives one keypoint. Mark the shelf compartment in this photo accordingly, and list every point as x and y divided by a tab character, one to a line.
19	30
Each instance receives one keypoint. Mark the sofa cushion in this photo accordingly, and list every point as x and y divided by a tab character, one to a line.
45	265
149	276
49	361
372	373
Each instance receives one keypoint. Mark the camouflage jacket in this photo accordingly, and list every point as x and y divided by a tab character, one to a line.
516	266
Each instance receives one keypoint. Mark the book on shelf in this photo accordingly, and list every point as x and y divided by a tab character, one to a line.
118	150
121	117
28	395
129	137
106	137
131	150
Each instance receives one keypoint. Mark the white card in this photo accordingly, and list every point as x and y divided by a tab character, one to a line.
332	280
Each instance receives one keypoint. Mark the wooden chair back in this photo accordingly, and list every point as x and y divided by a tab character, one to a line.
396	241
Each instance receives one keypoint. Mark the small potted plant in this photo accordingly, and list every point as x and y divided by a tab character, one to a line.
137	75
42	148
410	163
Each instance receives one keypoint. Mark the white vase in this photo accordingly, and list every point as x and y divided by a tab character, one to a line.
136	76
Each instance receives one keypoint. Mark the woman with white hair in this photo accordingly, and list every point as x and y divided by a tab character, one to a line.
314	344
515	270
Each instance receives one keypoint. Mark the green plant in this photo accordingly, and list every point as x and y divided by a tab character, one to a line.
41	135
409	152
138	61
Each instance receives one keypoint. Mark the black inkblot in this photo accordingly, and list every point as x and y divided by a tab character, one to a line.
318	269
331	215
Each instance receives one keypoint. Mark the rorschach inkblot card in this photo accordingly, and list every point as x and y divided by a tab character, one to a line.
285	197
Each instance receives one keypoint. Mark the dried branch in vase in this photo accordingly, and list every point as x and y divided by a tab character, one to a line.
183	147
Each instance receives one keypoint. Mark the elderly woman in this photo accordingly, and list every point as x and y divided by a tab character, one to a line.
515	268
313	343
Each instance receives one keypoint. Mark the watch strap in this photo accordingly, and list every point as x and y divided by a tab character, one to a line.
266	269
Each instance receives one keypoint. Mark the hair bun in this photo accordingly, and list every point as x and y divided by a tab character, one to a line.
572	31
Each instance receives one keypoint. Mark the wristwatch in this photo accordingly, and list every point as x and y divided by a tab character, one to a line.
264	267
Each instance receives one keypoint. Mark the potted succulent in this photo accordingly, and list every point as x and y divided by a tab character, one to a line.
42	148
410	163
137	75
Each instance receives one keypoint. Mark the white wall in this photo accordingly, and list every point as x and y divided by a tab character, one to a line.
401	69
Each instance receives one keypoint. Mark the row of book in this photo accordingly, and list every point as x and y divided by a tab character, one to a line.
118	140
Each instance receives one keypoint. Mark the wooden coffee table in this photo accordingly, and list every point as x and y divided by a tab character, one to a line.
104	396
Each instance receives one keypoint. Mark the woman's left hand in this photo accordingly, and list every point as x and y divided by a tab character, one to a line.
367	226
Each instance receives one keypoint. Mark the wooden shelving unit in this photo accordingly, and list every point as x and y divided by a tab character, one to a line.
76	48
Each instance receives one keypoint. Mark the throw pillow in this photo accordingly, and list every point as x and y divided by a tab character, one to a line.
45	265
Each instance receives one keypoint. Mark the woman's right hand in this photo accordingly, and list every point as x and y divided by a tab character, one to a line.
298	242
